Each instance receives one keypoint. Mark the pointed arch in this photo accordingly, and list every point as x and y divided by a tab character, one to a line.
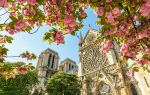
134	89
104	88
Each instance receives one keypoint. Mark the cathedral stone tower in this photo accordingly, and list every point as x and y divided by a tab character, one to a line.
68	66
47	65
99	73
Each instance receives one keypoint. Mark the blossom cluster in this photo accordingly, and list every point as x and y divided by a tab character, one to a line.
27	55
15	71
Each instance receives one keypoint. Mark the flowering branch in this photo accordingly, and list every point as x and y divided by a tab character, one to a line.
34	31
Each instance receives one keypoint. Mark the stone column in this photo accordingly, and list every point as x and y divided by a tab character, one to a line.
39	61
56	63
45	60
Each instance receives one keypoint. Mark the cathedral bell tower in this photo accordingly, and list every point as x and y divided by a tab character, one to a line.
47	65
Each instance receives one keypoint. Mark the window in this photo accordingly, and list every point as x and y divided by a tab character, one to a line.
52	66
133	89
69	67
49	60
47	73
105	89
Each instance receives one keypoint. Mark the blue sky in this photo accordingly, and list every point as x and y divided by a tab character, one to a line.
34	43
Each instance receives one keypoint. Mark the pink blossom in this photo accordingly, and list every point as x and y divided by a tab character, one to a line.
31	23
135	18
54	1
116	12
10	31
110	32
131	54
27	11
119	33
70	22
108	1
132	4
32	2
12	13
47	10
130	73
110	19
58	38
129	49
147	51
70	8
144	10
109	15
100	11
20	25
68	19
144	34
107	46
13	6
70	29
20	70
48	22
124	48
148	3
3	3
141	62
104	50
124	27
21	1
2	40
82	14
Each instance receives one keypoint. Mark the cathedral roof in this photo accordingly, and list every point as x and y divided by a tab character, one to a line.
48	50
93	30
68	59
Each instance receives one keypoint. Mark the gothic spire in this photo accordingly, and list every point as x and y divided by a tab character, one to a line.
81	39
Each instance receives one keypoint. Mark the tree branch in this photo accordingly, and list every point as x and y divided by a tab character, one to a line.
131	19
11	56
34	31
3	13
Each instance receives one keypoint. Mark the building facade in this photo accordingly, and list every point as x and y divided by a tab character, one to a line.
99	73
48	64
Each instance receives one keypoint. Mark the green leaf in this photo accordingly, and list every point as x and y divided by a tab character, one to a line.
13	18
50	41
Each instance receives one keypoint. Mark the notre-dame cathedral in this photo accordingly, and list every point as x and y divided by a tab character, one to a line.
99	73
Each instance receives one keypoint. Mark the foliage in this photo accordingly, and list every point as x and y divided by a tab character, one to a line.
10	70
20	85
126	22
63	84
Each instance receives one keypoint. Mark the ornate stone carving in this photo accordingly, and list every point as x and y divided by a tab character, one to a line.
105	89
92	58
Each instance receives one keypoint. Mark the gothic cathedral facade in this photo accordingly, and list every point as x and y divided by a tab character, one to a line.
99	73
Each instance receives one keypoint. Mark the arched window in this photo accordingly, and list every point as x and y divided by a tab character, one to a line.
52	65
49	60
105	89
133	89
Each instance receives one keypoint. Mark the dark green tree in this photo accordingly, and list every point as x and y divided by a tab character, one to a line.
20	85
63	84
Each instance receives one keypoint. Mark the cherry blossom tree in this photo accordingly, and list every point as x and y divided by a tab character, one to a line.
21	84
126	22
